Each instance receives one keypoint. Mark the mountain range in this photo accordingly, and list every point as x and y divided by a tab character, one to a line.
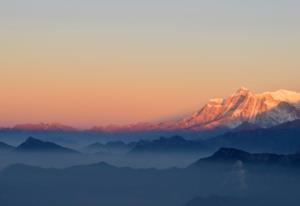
241	111
229	177
265	109
283	138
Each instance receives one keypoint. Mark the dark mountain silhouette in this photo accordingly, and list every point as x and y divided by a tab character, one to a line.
284	138
5	147
35	145
166	145
231	155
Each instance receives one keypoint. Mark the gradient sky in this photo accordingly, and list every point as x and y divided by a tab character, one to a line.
94	62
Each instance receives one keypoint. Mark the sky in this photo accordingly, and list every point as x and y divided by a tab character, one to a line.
99	62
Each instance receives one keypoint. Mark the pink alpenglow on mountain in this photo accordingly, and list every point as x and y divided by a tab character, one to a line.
266	109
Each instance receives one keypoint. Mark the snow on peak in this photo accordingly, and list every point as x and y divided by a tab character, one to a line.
242	88
216	101
242	91
285	96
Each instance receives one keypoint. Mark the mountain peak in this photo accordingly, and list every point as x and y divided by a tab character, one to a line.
242	91
242	88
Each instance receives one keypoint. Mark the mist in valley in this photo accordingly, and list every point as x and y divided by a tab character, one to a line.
50	160
118	174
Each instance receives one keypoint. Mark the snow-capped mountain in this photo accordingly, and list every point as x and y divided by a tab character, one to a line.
286	96
266	109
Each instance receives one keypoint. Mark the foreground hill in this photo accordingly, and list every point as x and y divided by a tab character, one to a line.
227	173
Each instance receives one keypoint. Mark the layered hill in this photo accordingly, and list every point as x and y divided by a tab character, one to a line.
227	178
34	145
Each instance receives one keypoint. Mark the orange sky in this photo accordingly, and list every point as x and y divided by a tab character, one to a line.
144	63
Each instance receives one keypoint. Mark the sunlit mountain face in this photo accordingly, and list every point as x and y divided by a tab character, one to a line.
265	109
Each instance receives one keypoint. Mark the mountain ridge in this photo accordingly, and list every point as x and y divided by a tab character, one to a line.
265	109
233	155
